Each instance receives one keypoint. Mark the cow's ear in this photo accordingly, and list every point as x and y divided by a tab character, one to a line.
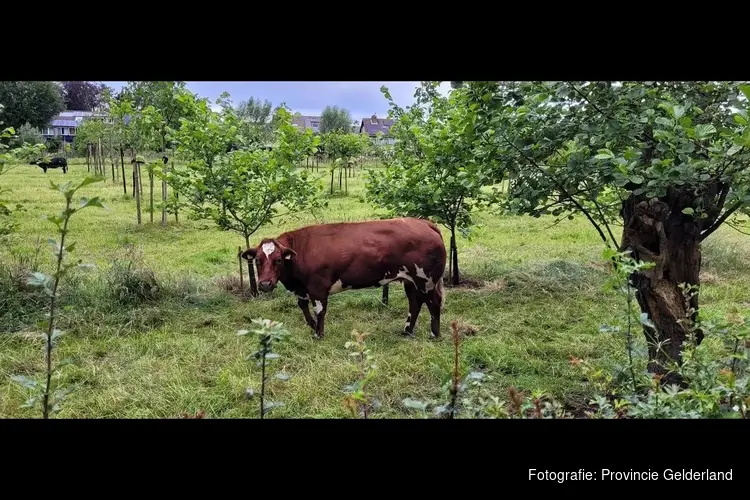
288	254
248	254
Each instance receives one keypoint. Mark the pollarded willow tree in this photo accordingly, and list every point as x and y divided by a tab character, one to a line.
667	160
433	170
242	190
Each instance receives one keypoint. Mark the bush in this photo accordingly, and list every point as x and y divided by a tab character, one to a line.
28	135
129	282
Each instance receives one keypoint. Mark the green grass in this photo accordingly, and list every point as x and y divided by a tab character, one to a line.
539	298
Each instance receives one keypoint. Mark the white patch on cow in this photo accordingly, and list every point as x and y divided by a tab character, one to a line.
403	274
336	287
268	248
306	297
429	284
318	307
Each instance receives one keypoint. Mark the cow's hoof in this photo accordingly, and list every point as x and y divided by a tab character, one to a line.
434	337
407	334
317	337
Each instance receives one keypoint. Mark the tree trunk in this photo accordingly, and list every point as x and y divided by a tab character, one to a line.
165	168
332	171
658	233
239	257
151	194
88	157
122	167
136	190
102	165
250	271
454	258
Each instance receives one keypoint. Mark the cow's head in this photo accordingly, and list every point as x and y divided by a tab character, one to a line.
274	261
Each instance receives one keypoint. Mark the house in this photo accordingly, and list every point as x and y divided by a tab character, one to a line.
304	122
65	124
372	125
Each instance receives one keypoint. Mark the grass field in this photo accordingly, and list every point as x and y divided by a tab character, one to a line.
538	298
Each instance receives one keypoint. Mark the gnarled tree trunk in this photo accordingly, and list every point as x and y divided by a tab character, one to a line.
657	231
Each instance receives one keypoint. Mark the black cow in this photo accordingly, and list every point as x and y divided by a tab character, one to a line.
56	162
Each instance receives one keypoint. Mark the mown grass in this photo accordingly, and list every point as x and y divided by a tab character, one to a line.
538	300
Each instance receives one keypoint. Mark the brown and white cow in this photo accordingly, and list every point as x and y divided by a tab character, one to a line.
320	260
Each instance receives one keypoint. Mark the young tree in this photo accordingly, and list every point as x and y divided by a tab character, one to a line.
335	119
35	103
667	159
164	97
245	189
433	171
342	148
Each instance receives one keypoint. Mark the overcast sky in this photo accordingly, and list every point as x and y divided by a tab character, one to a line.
362	99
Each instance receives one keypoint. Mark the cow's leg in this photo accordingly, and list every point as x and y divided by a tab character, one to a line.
304	304
415	304
320	306
433	305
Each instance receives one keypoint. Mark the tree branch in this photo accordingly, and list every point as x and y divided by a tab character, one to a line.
728	213
562	190
587	100
737	229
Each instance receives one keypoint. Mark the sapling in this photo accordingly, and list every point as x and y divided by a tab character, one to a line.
624	268
43	391
357	401
268	334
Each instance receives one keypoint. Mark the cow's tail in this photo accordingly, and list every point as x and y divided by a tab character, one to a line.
440	292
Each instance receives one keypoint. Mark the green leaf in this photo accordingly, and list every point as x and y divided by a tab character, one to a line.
734	150
37	279
647	322
604	154
745	89
678	112
664	121
270	405
637	179
414	404
93	202
704	130
25	381
688	211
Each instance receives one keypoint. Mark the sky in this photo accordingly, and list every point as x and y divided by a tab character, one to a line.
362	99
